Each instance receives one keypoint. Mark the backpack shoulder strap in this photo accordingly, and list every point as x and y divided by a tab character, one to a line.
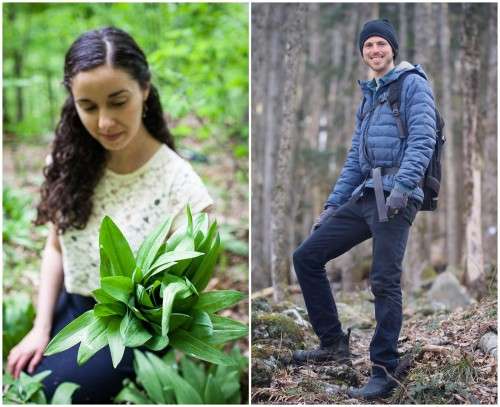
394	100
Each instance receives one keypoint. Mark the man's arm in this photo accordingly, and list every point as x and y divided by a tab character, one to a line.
351	175
421	129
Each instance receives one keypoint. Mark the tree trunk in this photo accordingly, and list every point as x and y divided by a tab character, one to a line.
452	220
473	254
260	14
294	33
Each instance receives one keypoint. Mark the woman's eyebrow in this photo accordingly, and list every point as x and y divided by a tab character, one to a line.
119	92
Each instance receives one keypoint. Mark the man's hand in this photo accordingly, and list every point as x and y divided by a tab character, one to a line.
395	202
329	211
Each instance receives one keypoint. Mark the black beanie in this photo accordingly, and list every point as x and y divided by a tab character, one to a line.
381	28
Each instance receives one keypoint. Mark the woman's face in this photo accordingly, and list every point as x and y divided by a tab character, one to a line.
110	104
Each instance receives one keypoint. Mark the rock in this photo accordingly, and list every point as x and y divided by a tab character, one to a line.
278	327
262	373
342	375
333	389
275	355
260	304
298	318
446	292
488	343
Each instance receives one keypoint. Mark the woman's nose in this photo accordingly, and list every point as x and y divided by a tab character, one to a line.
105	122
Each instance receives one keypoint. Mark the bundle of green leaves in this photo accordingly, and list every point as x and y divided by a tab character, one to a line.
29	390
167	382
156	298
18	315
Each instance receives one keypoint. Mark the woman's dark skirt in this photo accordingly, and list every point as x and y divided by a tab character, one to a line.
99	381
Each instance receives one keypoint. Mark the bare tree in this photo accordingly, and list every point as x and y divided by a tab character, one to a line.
473	253
294	34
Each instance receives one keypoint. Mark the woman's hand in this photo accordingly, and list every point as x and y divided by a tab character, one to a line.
28	352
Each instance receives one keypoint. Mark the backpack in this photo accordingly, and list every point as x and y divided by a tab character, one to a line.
431	181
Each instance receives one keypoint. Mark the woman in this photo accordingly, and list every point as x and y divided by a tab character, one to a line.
112	155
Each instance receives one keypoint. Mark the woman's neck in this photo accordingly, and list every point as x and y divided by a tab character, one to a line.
137	153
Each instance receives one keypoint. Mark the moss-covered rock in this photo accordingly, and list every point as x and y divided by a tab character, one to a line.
262	373
342	375
278	327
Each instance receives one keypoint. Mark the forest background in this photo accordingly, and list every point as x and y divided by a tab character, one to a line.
305	66
198	54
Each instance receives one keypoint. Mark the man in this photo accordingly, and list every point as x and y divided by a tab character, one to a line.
377	195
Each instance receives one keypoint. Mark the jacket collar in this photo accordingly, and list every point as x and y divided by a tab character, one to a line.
368	86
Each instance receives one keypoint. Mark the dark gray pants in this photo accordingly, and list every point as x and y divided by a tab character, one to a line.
352	223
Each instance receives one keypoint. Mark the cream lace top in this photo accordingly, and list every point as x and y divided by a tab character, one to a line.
137	202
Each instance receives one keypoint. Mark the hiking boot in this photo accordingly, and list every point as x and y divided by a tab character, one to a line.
377	387
338	351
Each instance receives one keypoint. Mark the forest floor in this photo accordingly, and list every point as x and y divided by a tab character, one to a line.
441	360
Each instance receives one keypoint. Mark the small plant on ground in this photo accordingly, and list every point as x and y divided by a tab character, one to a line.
155	299
18	314
164	381
29	390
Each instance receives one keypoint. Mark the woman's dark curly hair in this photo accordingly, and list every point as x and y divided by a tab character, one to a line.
78	160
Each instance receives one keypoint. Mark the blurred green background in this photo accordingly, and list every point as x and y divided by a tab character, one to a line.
198	54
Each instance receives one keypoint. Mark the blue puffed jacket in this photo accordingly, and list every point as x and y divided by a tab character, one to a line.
376	141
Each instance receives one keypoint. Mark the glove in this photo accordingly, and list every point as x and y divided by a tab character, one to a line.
396	202
329	211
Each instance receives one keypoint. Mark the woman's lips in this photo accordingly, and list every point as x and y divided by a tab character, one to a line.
113	136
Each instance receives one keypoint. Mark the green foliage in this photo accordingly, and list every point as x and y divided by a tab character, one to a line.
198	54
155	299
22	242
29	390
18	315
164	381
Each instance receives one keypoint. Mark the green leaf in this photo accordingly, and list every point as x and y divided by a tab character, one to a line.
157	343
164	261
177	320
187	343
229	383
184	392
131	394
189	230
40	376
102	296
193	374
71	334
148	377
149	248
116	248
204	247
118	287
202	325
226	329
200	223
169	293
142	296
213	393
204	272
64	392
133	332
93	341
105	310
105	267
116	346
213	301
137	275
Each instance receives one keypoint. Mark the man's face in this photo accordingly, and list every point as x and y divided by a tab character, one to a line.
377	54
